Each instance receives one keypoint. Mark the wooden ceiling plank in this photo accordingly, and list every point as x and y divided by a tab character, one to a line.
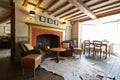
38	6
31	3
99	2
65	11
107	9
74	16
117	11
5	19
62	6
52	4
81	20
106	5
25	3
70	13
86	1
39	2
83	7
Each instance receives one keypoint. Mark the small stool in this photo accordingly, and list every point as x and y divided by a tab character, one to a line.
31	61
77	51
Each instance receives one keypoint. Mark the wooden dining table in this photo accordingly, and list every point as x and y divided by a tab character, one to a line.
106	46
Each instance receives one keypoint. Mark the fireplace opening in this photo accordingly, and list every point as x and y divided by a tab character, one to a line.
46	40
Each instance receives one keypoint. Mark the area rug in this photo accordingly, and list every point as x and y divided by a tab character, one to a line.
73	69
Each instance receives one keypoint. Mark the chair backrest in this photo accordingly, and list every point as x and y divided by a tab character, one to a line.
65	45
86	43
97	44
22	46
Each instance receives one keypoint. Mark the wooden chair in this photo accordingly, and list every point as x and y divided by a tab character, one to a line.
105	48
87	46
97	47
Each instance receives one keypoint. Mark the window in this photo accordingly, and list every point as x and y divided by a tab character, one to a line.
99	32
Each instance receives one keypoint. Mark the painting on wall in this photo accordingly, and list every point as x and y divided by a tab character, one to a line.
49	20
7	29
56	22
42	19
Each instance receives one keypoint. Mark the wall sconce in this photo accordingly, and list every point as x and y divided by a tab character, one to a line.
63	22
32	13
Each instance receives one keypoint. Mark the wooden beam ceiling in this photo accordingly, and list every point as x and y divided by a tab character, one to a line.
82	7
77	10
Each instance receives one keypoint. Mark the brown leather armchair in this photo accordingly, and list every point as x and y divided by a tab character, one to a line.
69	46
31	50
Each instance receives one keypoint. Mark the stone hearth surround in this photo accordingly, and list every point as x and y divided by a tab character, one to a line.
36	30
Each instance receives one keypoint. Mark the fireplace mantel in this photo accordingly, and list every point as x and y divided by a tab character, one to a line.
58	28
35	30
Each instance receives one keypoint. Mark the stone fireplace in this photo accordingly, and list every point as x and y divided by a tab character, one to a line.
45	36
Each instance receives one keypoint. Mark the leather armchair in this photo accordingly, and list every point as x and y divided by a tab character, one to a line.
69	46
25	51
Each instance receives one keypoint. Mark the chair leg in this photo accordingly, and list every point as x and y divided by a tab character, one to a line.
34	74
23	73
84	51
89	51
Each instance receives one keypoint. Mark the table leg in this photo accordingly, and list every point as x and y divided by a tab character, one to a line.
58	57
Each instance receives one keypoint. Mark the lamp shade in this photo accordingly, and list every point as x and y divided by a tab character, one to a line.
32	13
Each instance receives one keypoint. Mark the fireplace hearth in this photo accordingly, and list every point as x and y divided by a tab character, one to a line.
45	40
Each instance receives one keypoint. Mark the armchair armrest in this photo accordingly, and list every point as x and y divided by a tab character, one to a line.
33	51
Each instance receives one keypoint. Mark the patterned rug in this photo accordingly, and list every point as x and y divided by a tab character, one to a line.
73	69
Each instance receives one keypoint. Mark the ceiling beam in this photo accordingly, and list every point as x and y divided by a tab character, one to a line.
109	8
78	17
39	2
81	19
65	11
117	11
70	13
49	6
25	3
74	16
5	4
5	19
52	4
82	7
99	2
114	3
62	6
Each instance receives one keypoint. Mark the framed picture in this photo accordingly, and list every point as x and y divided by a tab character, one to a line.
56	22
7	29
42	19
49	20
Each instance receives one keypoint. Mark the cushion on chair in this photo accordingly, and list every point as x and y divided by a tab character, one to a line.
28	46
65	45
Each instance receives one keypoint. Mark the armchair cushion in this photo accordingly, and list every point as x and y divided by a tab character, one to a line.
28	46
66	45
